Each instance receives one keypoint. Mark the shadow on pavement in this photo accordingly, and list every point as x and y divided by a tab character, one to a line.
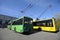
34	31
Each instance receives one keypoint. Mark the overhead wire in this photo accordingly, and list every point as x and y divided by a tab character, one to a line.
44	11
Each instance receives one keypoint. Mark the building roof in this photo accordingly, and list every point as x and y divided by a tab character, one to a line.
5	17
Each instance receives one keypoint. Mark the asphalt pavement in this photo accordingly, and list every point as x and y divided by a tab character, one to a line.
6	34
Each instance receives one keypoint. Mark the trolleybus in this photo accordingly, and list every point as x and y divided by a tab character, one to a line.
46	25
21	25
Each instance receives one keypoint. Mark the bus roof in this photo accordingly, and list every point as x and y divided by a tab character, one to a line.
22	18
45	19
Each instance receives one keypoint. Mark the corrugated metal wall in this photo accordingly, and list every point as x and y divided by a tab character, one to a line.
4	20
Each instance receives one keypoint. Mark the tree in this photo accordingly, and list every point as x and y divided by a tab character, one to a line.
57	18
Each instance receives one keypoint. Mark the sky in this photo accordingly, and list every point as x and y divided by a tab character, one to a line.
14	7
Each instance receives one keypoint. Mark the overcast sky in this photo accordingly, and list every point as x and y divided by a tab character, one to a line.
14	7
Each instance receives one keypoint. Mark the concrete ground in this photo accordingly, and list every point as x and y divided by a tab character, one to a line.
6	34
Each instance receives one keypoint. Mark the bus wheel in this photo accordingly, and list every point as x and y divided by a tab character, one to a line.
15	29
10	28
39	29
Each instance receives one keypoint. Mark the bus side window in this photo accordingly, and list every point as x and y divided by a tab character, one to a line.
19	22
13	23
44	24
9	23
50	24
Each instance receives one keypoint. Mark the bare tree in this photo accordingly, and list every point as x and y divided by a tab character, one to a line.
57	18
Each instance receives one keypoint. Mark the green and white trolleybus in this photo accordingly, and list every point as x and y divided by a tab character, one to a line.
21	25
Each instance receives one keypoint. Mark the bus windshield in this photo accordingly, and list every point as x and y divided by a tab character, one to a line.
27	21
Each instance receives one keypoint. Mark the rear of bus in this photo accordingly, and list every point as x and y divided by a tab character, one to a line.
48	25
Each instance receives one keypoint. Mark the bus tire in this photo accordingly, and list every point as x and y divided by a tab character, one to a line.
39	29
14	29
10	28
56	31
